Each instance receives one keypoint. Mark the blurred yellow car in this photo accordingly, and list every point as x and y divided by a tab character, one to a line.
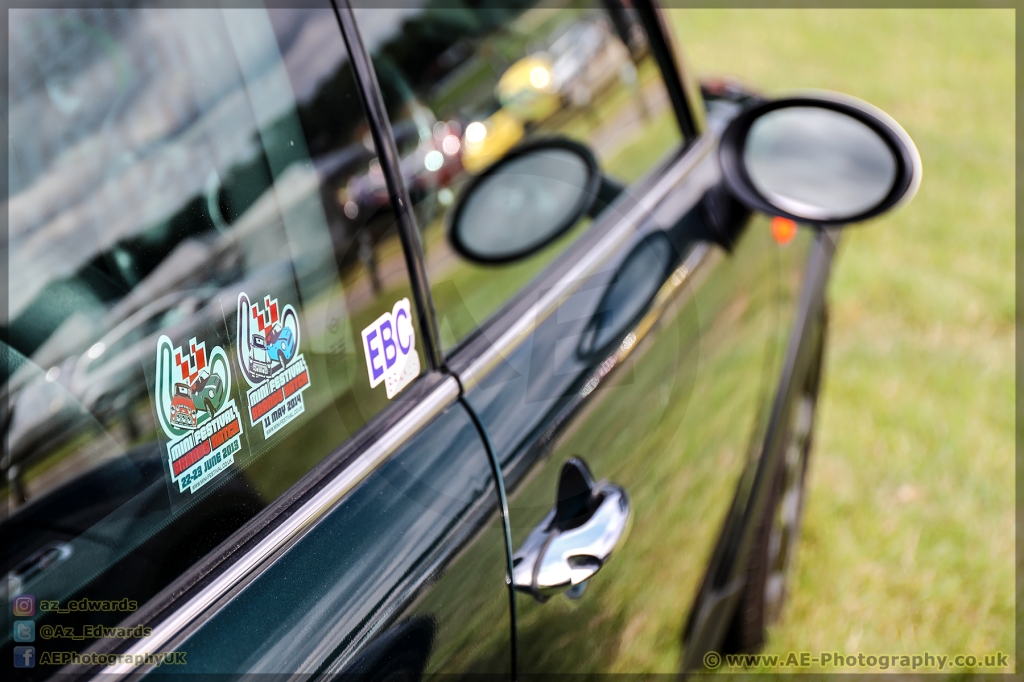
527	92
529	89
484	142
583	61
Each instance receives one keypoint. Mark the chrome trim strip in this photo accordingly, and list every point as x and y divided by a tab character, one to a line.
612	242
293	528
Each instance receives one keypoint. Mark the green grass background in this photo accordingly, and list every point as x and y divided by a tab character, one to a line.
908	542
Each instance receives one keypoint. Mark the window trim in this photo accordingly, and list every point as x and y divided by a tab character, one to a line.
387	150
681	82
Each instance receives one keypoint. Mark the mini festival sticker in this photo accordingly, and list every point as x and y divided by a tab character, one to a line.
194	410
268	344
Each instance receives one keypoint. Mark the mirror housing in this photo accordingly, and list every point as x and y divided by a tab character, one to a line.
821	158
524	201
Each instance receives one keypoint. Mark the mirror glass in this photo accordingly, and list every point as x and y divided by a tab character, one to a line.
818	163
523	203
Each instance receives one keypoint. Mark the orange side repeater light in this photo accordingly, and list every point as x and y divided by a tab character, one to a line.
783	229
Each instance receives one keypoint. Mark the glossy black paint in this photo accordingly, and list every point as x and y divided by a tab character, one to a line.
717	598
135	483
552	403
536	395
627	296
168	601
507	533
520	399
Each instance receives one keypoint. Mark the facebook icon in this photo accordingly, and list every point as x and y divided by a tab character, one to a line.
24	657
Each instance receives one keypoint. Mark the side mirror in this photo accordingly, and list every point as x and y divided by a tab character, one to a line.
823	159
524	201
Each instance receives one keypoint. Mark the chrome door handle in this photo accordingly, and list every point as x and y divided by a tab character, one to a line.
577	538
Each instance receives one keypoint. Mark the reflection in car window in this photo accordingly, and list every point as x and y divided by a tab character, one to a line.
188	289
465	86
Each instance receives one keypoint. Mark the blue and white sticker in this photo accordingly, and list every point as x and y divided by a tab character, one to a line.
268	345
390	348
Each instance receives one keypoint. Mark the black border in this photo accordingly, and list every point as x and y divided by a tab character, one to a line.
668	4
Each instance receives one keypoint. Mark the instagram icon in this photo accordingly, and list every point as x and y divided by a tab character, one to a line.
24	605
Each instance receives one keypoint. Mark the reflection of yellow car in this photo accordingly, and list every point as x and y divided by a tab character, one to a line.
582	62
529	89
484	142
527	92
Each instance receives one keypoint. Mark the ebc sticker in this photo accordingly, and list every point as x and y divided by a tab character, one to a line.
390	347
268	344
194	410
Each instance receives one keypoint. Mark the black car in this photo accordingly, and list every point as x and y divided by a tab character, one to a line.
550	410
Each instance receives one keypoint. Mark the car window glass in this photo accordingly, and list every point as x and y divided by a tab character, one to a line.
464	86
189	303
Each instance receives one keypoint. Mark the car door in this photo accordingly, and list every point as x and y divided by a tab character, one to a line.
638	347
650	442
629	411
229	448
